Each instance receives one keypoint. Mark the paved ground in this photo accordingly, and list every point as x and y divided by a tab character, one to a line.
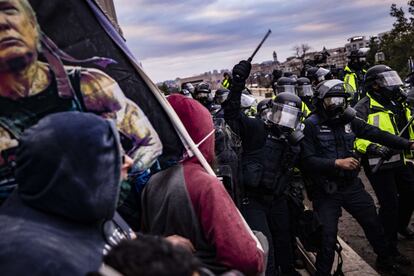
352	233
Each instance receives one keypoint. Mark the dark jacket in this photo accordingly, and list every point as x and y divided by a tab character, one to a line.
252	131
68	170
324	143
267	160
187	201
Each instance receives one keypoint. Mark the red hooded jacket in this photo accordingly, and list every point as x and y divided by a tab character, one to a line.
187	201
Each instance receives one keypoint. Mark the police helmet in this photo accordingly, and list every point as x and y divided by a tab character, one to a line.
202	87
263	108
332	96
318	74
221	95
202	91
188	86
304	88
285	84
359	54
323	74
381	81
286	111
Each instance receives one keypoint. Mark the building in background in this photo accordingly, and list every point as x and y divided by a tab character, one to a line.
261	72
357	42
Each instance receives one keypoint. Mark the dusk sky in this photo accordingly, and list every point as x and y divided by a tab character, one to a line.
187	37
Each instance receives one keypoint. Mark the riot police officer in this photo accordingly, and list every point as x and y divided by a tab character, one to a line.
202	93
268	158
393	183
355	71
220	96
226	83
285	84
331	169
304	90
318	74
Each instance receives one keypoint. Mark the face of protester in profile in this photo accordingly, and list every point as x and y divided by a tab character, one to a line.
19	36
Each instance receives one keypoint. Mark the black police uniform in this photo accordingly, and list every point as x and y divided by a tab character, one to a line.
334	188
268	163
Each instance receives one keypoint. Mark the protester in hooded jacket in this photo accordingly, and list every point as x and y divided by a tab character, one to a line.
187	201
61	218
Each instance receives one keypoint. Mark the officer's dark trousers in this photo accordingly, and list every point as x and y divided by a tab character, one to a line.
272	219
355	200
395	192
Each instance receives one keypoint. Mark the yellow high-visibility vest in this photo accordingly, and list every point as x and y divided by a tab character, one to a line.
226	83
385	120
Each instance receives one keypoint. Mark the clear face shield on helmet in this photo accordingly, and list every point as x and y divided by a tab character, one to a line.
334	96
220	98
286	88
247	101
305	91
284	115
190	87
390	86
389	79
322	73
333	103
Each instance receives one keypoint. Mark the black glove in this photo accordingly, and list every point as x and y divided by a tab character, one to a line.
382	151
241	72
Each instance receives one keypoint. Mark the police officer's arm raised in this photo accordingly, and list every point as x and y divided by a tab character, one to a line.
250	130
241	72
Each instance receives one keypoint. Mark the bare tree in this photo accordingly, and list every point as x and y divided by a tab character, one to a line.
300	52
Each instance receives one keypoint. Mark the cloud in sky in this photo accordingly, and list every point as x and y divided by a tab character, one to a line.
179	38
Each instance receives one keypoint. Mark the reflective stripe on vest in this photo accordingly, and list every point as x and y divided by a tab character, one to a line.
305	111
394	158
383	118
385	121
375	121
350	78
226	83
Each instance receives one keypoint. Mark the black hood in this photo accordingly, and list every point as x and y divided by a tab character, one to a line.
69	165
